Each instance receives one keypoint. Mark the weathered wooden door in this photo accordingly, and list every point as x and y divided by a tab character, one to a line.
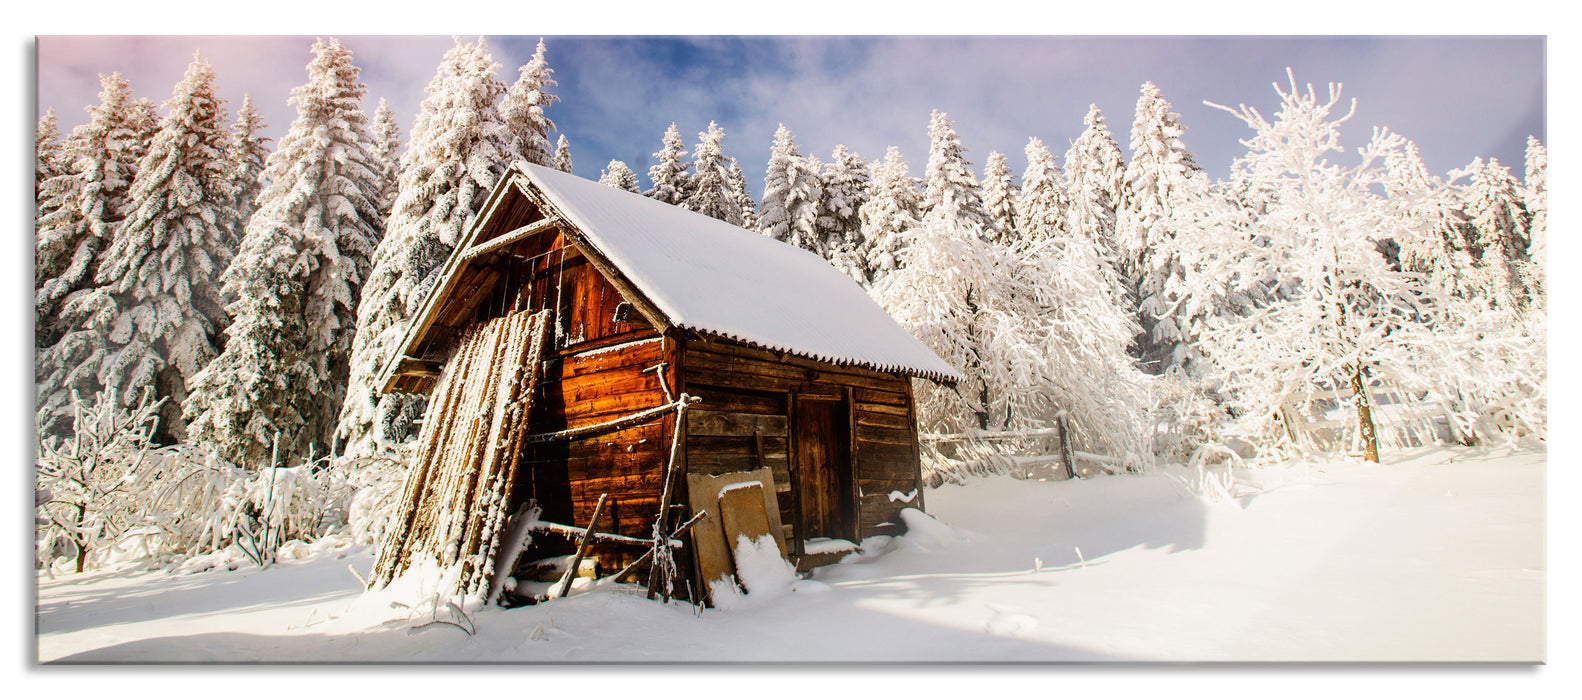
822	446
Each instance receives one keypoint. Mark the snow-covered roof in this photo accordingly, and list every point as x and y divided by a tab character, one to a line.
714	278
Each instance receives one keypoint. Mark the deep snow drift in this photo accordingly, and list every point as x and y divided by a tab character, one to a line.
1438	556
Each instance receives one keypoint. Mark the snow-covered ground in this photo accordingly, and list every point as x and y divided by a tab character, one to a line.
1438	556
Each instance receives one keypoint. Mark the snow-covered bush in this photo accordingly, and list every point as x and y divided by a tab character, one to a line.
87	484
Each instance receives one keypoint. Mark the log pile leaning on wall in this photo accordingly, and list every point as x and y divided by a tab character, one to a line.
453	504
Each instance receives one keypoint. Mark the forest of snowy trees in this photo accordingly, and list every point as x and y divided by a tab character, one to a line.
211	311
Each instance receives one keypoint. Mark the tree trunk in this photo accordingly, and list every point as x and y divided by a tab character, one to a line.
1370	436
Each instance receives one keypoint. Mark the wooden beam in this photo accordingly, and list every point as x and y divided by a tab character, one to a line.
509	237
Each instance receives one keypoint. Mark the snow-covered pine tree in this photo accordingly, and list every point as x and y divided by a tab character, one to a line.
669	175
788	210
1041	205
523	107
1535	195
78	213
999	198
709	191
296	279
80	209
1000	195
893	209
251	152
1095	173
1155	179
948	183
620	176
1434	243
457	151
840	203
563	154
387	142
745	206
50	160
158	288
1499	231
1348	316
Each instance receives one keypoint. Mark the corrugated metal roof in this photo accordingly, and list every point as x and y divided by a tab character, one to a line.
708	276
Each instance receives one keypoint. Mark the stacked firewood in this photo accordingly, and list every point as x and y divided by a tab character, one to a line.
453	504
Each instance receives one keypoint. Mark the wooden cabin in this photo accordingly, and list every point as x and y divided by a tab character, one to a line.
778	364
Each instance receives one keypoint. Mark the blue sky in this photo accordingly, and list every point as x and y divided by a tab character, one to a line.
1457	97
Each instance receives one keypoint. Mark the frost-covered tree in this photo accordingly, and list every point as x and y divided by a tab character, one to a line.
1032	330
1499	231
1156	179
523	107
999	198
788	210
1041	205
458	149
893	208
948	183
709	191
1535	195
669	175
1348	316
159	305
620	176
387	144
251	152
1095	173
737	182
563	154
296	280
50	160
844	191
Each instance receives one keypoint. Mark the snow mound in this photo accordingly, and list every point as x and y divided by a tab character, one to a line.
925	533
762	572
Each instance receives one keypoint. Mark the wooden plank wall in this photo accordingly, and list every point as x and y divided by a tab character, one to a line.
745	390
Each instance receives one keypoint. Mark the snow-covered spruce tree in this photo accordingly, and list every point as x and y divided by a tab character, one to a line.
948	182
158	282
1349	316
737	182
999	198
788	210
387	141
893	208
844	192
709	192
79	212
620	176
458	149
1155	179
296	280
1095	177
1041	205
523	107
1535	194
669	175
251	153
1434	243
1499	232
562	160
80	209
50	160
